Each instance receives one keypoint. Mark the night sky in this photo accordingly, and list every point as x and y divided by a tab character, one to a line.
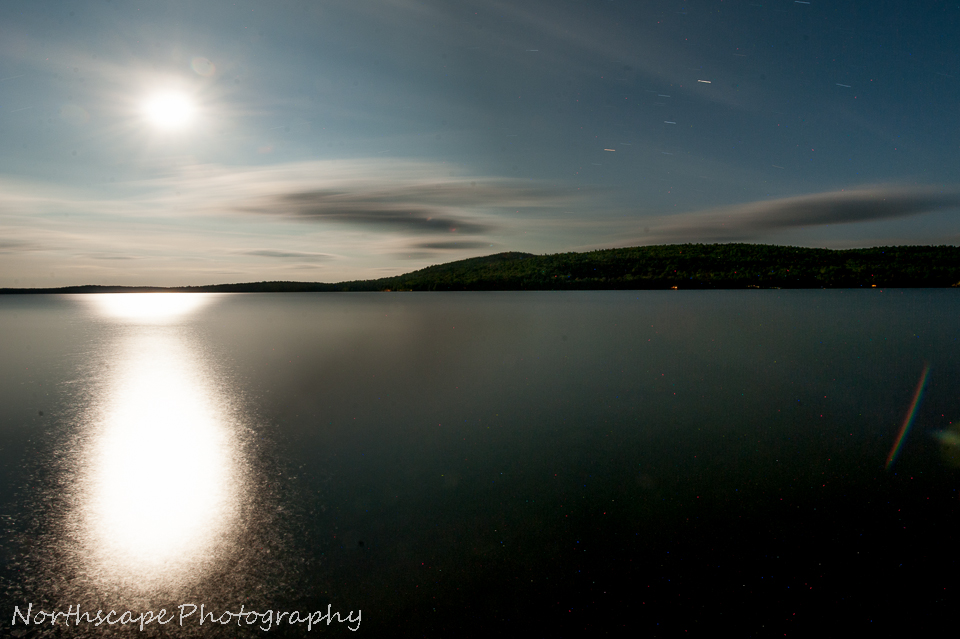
173	143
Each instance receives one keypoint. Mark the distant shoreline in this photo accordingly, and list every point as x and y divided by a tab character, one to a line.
673	266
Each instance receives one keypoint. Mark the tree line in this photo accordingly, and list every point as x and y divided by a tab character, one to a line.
681	266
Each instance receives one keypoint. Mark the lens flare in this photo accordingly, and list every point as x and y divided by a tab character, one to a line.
908	421
203	66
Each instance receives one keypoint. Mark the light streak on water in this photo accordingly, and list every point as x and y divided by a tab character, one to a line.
146	308
160	481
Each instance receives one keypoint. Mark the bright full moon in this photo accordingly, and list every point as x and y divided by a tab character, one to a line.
168	110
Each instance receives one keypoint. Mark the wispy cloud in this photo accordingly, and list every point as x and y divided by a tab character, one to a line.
111	257
351	216
391	197
426	206
377	209
297	255
16	246
756	219
453	245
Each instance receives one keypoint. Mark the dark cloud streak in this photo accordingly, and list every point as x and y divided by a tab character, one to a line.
17	246
299	255
451	245
410	218
753	220
430	208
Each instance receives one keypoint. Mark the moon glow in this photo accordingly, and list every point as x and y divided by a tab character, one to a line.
168	111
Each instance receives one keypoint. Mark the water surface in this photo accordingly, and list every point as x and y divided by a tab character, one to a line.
461	464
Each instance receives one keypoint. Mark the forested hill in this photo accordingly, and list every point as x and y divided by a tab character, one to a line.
693	266
683	266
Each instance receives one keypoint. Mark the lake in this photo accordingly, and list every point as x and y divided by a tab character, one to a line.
467	464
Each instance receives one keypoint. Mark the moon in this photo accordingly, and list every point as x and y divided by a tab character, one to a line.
169	111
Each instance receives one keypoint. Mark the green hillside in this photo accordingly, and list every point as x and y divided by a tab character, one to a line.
688	266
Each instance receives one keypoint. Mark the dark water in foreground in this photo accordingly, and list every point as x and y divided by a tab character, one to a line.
473	464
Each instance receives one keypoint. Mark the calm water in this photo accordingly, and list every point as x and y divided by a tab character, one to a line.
467	464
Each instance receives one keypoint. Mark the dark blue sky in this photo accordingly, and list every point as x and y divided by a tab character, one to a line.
188	143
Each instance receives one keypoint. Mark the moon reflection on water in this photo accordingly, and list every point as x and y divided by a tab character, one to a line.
161	481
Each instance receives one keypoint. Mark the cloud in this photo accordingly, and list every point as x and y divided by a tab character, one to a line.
298	255
189	221
391	196
112	257
377	209
451	245
16	246
750	221
397	197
